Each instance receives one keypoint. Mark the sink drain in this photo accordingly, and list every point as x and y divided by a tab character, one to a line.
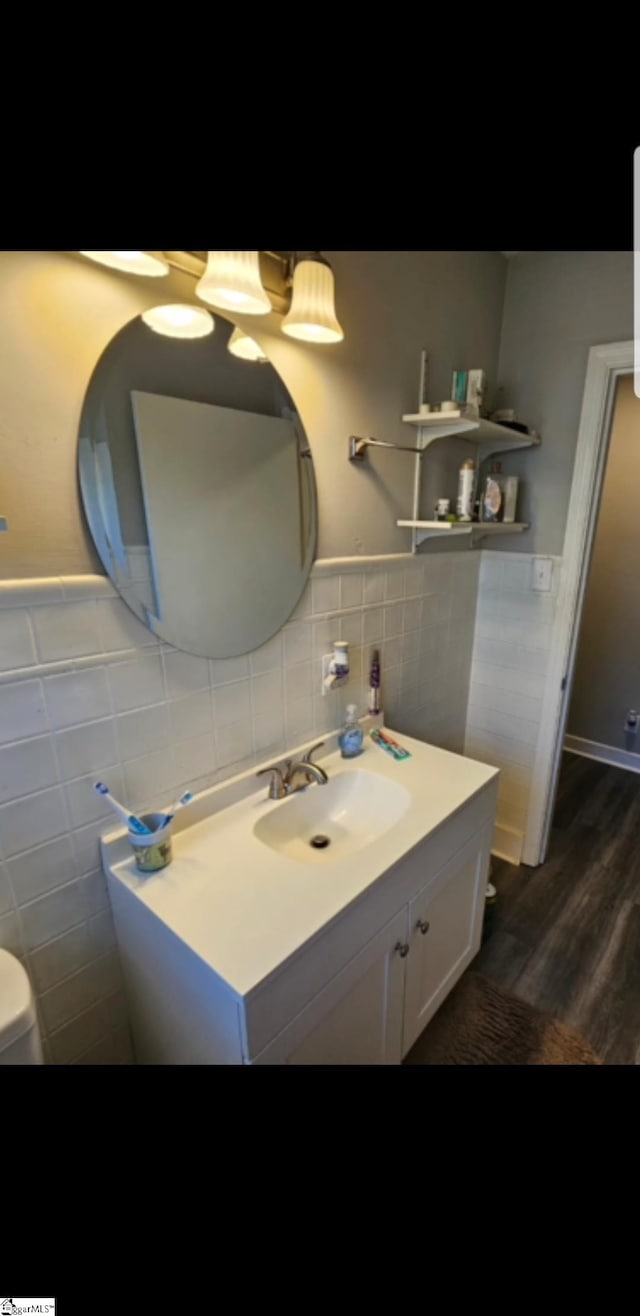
319	842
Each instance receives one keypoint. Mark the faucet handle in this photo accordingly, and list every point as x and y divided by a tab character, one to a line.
277	787
306	758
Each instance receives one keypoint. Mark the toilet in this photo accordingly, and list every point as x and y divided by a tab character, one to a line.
19	1034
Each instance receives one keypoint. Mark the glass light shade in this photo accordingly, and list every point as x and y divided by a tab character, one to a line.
179	321
240	344
312	316
131	262
232	282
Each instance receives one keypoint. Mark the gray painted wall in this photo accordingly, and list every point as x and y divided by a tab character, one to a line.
59	313
607	675
558	304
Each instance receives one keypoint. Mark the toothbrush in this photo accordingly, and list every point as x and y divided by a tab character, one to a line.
132	822
389	739
179	804
402	752
391	746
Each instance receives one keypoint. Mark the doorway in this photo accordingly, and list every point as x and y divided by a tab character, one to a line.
607	365
602	719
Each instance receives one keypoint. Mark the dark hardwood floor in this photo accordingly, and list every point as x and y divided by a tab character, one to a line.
566	936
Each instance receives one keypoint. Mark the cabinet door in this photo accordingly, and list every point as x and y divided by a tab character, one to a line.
445	933
357	1018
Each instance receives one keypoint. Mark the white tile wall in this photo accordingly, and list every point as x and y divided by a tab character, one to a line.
22	711
86	692
67	632
508	673
17	648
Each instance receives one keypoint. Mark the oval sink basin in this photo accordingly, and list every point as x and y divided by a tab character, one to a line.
324	823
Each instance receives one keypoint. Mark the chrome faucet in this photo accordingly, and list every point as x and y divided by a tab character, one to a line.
294	775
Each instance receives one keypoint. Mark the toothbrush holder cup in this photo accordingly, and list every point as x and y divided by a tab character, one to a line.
151	853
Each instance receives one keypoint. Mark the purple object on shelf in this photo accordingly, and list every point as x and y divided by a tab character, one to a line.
374	682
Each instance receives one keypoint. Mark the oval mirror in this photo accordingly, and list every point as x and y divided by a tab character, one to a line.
198	487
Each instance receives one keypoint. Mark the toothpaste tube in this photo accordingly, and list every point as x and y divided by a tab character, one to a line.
391	746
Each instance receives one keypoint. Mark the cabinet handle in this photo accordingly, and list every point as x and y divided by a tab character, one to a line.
423	926
402	948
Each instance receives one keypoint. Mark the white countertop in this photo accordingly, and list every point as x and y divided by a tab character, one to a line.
244	908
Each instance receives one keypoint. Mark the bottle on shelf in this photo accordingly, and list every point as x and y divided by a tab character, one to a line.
466	490
492	500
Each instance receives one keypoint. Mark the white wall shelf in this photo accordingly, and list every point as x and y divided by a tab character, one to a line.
484	434
476	529
487	437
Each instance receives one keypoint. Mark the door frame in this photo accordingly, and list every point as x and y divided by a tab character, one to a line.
605	366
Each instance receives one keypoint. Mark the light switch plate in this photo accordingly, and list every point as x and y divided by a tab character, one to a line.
541	574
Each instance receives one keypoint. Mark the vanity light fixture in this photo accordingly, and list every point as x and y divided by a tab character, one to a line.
179	320
151	263
302	288
232	282
241	345
312	316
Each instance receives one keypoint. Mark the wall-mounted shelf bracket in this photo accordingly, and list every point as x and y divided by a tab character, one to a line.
358	447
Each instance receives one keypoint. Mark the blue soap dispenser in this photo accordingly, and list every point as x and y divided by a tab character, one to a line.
351	738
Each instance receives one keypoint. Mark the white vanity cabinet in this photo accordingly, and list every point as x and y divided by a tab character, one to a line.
237	954
374	1010
357	1019
445	922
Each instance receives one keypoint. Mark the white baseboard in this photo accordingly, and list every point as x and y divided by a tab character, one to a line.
590	749
507	844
